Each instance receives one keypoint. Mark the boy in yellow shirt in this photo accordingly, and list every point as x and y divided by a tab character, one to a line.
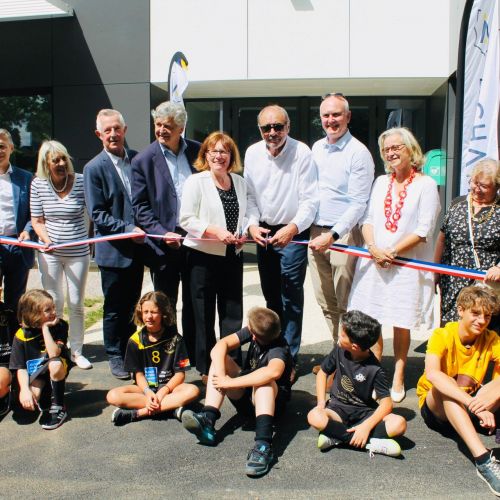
451	394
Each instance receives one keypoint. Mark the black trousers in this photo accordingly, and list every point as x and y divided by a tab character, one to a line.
166	279
216	281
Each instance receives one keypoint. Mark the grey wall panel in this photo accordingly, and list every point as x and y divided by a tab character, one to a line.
76	107
26	54
107	42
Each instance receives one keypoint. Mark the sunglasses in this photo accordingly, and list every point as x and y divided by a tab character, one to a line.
278	127
333	94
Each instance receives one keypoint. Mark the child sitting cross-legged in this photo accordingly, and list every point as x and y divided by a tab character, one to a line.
157	357
352	416
264	382
451	391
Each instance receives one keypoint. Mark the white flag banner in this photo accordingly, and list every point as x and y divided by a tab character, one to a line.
481	88
178	78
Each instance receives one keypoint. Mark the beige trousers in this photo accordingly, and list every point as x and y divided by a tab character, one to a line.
332	273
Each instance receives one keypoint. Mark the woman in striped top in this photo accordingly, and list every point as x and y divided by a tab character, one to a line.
58	216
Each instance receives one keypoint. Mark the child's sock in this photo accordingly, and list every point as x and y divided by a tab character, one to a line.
337	430
264	429
482	459
212	414
58	387
380	432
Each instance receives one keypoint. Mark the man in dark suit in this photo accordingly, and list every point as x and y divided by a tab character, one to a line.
15	221
107	180
158	175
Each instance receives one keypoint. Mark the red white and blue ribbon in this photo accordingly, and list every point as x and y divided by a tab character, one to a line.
419	265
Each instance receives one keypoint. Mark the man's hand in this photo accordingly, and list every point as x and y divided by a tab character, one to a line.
493	274
360	435
284	235
322	242
23	236
173	240
138	240
259	234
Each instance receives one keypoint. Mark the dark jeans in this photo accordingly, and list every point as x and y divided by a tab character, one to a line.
15	275
216	281
166	280
282	272
121	288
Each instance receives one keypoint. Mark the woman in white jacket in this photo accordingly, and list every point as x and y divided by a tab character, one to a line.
212	212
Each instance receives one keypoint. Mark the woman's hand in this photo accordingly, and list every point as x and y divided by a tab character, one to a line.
493	274
225	236
383	257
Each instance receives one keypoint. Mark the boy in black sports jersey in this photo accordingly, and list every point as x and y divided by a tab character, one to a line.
40	356
157	356
264	382
8	326
352	416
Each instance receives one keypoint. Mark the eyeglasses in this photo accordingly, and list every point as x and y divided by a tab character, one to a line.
214	152
479	185
333	94
393	149
278	127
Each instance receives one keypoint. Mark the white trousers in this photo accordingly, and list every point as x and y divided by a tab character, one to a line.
56	269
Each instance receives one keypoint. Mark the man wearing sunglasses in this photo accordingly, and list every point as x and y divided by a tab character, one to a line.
345	174
282	204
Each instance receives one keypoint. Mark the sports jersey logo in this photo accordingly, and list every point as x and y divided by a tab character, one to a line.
360	377
184	363
151	374
346	383
170	346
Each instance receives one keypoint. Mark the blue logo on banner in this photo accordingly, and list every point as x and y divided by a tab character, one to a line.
151	374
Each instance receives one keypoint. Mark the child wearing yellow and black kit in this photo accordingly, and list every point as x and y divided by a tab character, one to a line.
8	326
157	356
41	357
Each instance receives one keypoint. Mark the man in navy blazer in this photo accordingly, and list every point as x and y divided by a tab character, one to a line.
15	221
158	175
107	181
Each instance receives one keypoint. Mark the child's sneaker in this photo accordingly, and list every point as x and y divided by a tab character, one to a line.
387	447
325	442
57	415
259	459
197	424
489	472
178	413
123	416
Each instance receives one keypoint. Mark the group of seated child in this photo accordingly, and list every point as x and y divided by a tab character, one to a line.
358	412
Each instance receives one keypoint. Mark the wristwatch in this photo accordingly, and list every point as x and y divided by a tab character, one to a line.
335	236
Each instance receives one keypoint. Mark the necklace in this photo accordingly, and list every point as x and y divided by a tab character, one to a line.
485	216
392	225
64	185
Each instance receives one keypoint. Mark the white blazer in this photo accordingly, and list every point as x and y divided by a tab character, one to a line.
201	205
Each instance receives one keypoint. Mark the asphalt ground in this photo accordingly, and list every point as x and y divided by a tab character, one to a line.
89	457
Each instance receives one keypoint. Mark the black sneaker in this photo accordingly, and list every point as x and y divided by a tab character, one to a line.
57	415
198	424
259	459
116	368
5	405
123	416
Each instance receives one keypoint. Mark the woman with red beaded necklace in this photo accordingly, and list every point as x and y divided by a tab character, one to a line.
400	219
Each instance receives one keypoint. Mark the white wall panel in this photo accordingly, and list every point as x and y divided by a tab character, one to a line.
399	38
212	35
298	38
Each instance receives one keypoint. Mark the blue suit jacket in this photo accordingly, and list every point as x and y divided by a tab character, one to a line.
21	181
110	210
154	198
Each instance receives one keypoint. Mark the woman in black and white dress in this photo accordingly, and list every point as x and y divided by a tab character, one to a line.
212	212
57	213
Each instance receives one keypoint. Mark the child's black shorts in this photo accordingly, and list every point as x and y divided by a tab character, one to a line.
352	417
245	405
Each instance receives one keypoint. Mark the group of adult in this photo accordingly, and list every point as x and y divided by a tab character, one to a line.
190	196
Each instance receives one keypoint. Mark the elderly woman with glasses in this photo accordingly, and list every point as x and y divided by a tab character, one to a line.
57	213
400	219
212	212
470	236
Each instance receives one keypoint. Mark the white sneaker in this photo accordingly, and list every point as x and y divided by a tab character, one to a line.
387	447
82	362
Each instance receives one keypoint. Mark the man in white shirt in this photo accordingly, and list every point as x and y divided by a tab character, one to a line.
15	221
345	175
282	204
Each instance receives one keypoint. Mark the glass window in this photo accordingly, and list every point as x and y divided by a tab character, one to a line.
29	119
204	117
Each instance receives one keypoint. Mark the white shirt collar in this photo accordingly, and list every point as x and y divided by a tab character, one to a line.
8	171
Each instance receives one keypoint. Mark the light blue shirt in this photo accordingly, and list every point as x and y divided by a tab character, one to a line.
345	177
179	168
